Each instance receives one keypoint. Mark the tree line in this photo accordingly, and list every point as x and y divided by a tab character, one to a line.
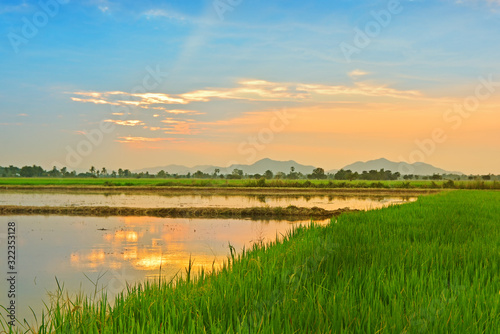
317	174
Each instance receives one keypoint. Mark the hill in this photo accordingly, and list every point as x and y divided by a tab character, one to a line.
258	167
418	168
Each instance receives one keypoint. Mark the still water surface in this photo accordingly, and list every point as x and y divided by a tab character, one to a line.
130	249
86	253
197	201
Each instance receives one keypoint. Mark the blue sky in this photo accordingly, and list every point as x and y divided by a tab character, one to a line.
252	60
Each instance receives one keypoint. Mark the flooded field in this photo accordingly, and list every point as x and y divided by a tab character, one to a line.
90	254
196	201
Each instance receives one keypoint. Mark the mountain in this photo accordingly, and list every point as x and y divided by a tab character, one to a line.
417	168
258	167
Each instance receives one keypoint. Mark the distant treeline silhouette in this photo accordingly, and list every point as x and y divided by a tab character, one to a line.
317	174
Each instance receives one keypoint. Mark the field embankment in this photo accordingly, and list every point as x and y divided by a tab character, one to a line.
154	184
288	213
427	267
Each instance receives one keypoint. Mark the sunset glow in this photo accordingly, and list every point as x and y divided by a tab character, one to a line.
156	83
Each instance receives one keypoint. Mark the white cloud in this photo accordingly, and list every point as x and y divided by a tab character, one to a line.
14	9
357	73
161	13
250	90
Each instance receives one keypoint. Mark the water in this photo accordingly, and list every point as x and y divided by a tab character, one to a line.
78	251
91	254
196	201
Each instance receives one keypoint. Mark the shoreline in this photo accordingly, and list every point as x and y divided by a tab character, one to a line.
290	213
193	190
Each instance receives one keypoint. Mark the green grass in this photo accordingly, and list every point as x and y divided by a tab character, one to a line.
160	183
427	267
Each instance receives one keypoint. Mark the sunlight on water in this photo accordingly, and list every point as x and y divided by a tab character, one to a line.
90	254
162	201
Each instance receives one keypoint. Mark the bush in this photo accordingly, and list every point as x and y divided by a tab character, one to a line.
261	182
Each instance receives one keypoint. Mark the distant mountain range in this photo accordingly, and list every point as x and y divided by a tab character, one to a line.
259	167
417	168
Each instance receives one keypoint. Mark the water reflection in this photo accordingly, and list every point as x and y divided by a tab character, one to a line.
329	202
110	252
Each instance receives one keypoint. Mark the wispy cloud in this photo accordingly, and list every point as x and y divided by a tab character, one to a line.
145	140
250	90
179	111
162	13
183	127
15	9
357	73
125	123
362	89
103	5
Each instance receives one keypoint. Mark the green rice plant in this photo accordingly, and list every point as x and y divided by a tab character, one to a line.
93	183
431	266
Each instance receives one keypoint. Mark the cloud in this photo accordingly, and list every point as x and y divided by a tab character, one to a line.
144	139
95	101
259	90
161	13
357	73
140	100
362	89
179	111
490	3
184	127
250	90
103	5
125	123
23	7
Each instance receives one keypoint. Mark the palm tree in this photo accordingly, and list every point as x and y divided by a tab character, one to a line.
92	170
104	171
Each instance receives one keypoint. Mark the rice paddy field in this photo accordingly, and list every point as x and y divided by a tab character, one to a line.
431	266
242	183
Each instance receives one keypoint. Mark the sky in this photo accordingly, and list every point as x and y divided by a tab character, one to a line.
133	84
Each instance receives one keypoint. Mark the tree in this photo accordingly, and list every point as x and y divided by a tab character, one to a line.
280	175
318	174
161	174
104	171
120	172
216	172
32	171
199	175
268	174
92	170
54	172
237	173
292	175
